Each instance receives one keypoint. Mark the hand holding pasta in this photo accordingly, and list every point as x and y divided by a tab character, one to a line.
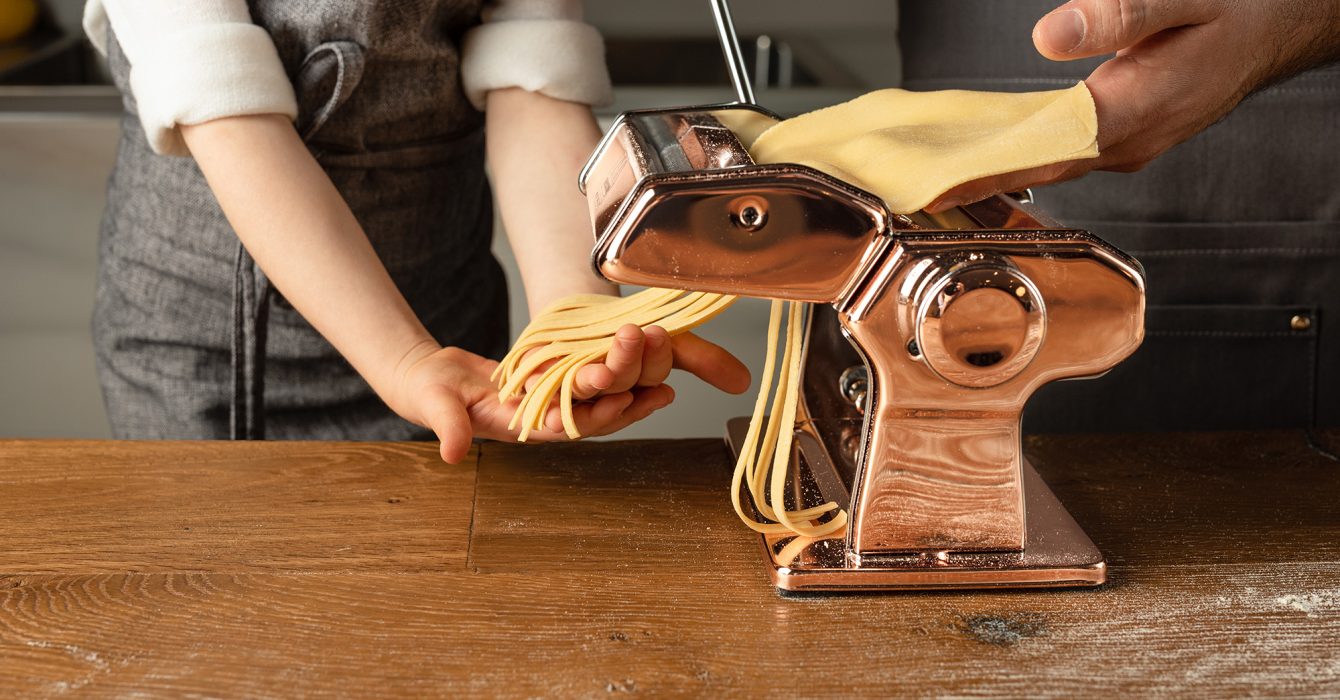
449	391
639	359
585	345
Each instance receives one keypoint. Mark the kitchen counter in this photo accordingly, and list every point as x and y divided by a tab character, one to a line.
595	569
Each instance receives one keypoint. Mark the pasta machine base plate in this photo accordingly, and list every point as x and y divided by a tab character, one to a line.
1056	554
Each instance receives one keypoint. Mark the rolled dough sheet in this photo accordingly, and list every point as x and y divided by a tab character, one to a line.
911	147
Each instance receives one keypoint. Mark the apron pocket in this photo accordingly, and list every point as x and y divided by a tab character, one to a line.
1200	368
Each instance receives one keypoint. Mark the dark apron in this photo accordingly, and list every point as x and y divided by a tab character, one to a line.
192	340
1238	230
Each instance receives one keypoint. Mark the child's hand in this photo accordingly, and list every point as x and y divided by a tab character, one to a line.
644	359
448	390
639	361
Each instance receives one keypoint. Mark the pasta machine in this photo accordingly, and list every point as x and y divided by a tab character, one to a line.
928	335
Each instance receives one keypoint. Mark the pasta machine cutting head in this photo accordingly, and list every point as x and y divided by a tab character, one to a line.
929	335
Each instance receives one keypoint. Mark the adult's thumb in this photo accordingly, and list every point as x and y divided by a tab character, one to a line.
1083	28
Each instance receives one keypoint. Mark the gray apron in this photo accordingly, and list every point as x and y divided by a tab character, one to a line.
1238	230
192	341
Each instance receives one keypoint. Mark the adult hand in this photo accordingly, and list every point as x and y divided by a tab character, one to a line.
1179	66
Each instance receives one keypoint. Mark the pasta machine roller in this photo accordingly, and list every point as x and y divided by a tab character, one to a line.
929	334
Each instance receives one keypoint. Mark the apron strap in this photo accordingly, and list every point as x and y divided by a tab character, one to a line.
251	316
339	64
333	69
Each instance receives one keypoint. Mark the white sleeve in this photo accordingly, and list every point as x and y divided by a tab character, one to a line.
191	62
538	45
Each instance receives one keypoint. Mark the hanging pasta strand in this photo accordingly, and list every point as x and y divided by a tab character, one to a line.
542	368
766	463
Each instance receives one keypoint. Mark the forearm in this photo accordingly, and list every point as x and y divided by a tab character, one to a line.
298	228
1177	67
1309	36
537	146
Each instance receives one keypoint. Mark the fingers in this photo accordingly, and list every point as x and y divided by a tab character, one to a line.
591	380
979	189
450	421
711	363
606	409
645	402
1083	28
624	361
608	414
636	358
535	376
658	357
1148	104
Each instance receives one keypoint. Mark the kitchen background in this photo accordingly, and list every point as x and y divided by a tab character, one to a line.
59	128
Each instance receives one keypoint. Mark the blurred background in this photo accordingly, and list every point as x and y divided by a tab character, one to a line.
59	124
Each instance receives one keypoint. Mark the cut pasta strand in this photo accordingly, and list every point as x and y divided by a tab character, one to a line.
768	463
543	364
542	368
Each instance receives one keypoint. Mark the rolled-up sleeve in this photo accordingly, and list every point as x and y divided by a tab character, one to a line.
538	45
192	62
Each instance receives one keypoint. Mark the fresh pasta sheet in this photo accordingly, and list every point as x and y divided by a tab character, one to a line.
910	147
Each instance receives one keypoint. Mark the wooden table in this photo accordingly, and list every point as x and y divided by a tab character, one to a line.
599	569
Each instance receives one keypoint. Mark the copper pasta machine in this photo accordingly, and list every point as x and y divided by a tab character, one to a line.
928	335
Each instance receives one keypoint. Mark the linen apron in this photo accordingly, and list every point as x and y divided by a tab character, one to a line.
1238	230
192	341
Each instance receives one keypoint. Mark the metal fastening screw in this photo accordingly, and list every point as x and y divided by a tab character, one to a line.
750	213
1300	322
854	384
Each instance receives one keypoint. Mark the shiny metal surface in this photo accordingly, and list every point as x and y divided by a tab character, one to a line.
979	320
730	46
668	193
1056	553
644	145
854	383
956	318
941	466
684	232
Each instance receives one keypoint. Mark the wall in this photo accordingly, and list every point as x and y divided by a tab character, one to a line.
53	172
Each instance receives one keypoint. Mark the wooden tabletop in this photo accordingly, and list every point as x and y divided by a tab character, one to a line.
601	569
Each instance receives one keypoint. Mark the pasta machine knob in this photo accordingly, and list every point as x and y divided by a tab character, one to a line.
981	322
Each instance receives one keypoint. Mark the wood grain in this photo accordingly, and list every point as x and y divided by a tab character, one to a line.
1154	500
93	506
588	571
641	506
1217	629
